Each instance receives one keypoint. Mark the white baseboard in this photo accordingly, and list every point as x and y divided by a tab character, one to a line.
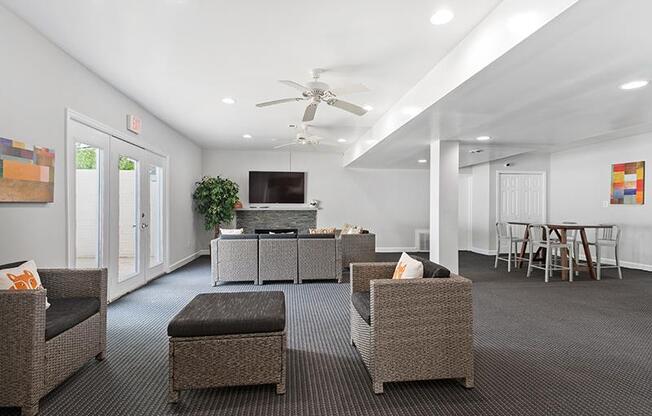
183	261
204	252
626	264
484	251
398	249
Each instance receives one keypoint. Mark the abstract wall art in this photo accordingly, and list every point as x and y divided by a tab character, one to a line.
628	183
26	172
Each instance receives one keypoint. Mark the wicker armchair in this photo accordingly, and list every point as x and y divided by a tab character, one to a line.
319	257
234	258
32	359
418	329
357	248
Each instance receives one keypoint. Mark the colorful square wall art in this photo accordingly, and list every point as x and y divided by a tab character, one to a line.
26	172
628	183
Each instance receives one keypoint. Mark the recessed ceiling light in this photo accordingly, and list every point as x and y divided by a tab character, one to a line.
422	160
483	138
634	84
341	140
228	100
476	151
441	17
367	107
247	136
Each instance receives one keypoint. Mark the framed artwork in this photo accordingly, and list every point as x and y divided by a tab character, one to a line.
628	183
26	172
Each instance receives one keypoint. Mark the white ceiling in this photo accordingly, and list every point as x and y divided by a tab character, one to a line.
557	89
179	58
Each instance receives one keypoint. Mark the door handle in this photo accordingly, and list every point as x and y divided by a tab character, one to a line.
144	226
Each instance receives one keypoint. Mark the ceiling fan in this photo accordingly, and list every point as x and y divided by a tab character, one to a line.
316	92
304	138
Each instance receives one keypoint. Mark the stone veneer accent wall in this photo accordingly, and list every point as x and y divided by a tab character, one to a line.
252	219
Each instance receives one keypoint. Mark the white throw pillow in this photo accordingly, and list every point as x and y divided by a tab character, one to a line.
23	277
408	268
231	231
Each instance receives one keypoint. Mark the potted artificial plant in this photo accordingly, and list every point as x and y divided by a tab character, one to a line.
215	199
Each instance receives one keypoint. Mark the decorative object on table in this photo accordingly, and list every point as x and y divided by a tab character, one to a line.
628	183
215	199
351	229
26	172
314	203
238	204
231	231
323	230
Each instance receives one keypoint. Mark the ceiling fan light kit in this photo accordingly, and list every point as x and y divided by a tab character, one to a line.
316	92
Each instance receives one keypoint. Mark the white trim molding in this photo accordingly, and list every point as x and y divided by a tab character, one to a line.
185	260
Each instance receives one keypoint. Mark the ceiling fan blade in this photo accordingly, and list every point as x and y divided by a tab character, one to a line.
294	85
322	143
309	114
346	106
284	145
350	89
281	101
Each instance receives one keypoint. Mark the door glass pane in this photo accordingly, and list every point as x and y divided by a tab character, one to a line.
155	216
128	218
87	205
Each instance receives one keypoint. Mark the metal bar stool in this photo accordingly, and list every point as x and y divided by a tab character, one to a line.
539	238
607	237
504	234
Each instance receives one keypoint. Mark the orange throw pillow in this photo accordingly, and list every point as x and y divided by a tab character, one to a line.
23	277
408	268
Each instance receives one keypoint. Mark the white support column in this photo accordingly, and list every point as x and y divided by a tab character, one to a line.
444	167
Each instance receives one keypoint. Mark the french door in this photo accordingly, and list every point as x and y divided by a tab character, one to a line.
117	210
136	217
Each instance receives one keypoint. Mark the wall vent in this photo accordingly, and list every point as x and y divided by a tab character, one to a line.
422	239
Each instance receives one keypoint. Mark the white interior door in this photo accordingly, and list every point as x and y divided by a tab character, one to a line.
521	196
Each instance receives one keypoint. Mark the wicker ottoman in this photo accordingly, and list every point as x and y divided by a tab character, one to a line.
228	339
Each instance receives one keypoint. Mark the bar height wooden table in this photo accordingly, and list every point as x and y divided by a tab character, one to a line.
562	230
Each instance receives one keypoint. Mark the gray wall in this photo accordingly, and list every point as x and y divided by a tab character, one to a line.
391	203
38	81
580	187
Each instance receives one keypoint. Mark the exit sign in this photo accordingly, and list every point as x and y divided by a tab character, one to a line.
134	124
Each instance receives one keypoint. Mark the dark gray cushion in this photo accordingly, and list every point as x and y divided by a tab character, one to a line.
239	237
362	303
230	313
308	236
12	265
64	314
432	269
290	236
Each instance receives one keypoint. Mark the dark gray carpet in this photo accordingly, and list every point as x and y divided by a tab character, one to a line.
582	348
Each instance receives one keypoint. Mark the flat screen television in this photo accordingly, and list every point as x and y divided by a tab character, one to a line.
277	187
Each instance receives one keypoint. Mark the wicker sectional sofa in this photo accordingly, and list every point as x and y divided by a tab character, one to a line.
274	257
43	348
411	329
